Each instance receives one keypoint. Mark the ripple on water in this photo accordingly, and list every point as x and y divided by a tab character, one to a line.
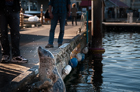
119	70
122	73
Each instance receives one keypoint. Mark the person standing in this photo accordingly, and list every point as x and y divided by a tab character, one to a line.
9	16
74	13
59	12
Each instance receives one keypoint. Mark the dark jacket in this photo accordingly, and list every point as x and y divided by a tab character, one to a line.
15	7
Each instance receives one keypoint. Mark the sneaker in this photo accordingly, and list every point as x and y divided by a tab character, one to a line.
49	46
5	59
19	59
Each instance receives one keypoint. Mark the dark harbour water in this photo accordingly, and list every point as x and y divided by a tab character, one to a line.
117	71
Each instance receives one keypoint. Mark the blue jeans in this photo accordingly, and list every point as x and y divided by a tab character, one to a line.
11	18
61	18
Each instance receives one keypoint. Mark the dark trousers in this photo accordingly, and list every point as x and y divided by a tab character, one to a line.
11	18
74	18
54	20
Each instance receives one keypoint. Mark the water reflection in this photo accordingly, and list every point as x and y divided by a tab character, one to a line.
121	62
86	77
117	70
97	77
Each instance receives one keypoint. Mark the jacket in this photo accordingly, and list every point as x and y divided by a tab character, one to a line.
15	7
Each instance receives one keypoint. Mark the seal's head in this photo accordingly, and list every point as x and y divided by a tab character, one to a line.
45	55
47	63
42	52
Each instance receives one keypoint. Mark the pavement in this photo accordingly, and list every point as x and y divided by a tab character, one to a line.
31	39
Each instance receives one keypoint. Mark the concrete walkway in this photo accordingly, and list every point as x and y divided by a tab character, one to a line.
31	38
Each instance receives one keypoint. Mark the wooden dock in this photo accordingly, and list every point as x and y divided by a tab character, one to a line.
120	24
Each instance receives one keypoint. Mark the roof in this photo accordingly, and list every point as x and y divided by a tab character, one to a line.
85	3
119	3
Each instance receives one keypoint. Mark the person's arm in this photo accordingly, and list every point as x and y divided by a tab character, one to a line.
69	7
69	10
50	9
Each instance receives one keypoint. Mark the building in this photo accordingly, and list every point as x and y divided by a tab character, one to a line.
127	2
87	4
134	6
33	6
115	9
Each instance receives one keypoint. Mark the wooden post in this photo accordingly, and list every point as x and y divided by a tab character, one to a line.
92	17
21	18
41	14
96	26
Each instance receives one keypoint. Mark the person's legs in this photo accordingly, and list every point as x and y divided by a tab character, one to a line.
4	39
66	21
52	30
72	19
15	35
4	34
14	21
76	20
62	27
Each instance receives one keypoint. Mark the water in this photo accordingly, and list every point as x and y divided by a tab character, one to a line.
117	71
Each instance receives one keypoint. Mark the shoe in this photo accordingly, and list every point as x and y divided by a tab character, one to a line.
5	59
19	59
59	45
49	46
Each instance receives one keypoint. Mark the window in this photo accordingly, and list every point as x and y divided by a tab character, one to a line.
24	5
29	5
33	6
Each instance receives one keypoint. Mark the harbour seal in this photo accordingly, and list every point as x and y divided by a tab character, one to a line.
50	79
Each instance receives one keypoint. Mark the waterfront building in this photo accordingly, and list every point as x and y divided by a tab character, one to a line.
33	6
134	6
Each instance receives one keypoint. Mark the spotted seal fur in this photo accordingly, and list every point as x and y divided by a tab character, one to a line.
50	79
